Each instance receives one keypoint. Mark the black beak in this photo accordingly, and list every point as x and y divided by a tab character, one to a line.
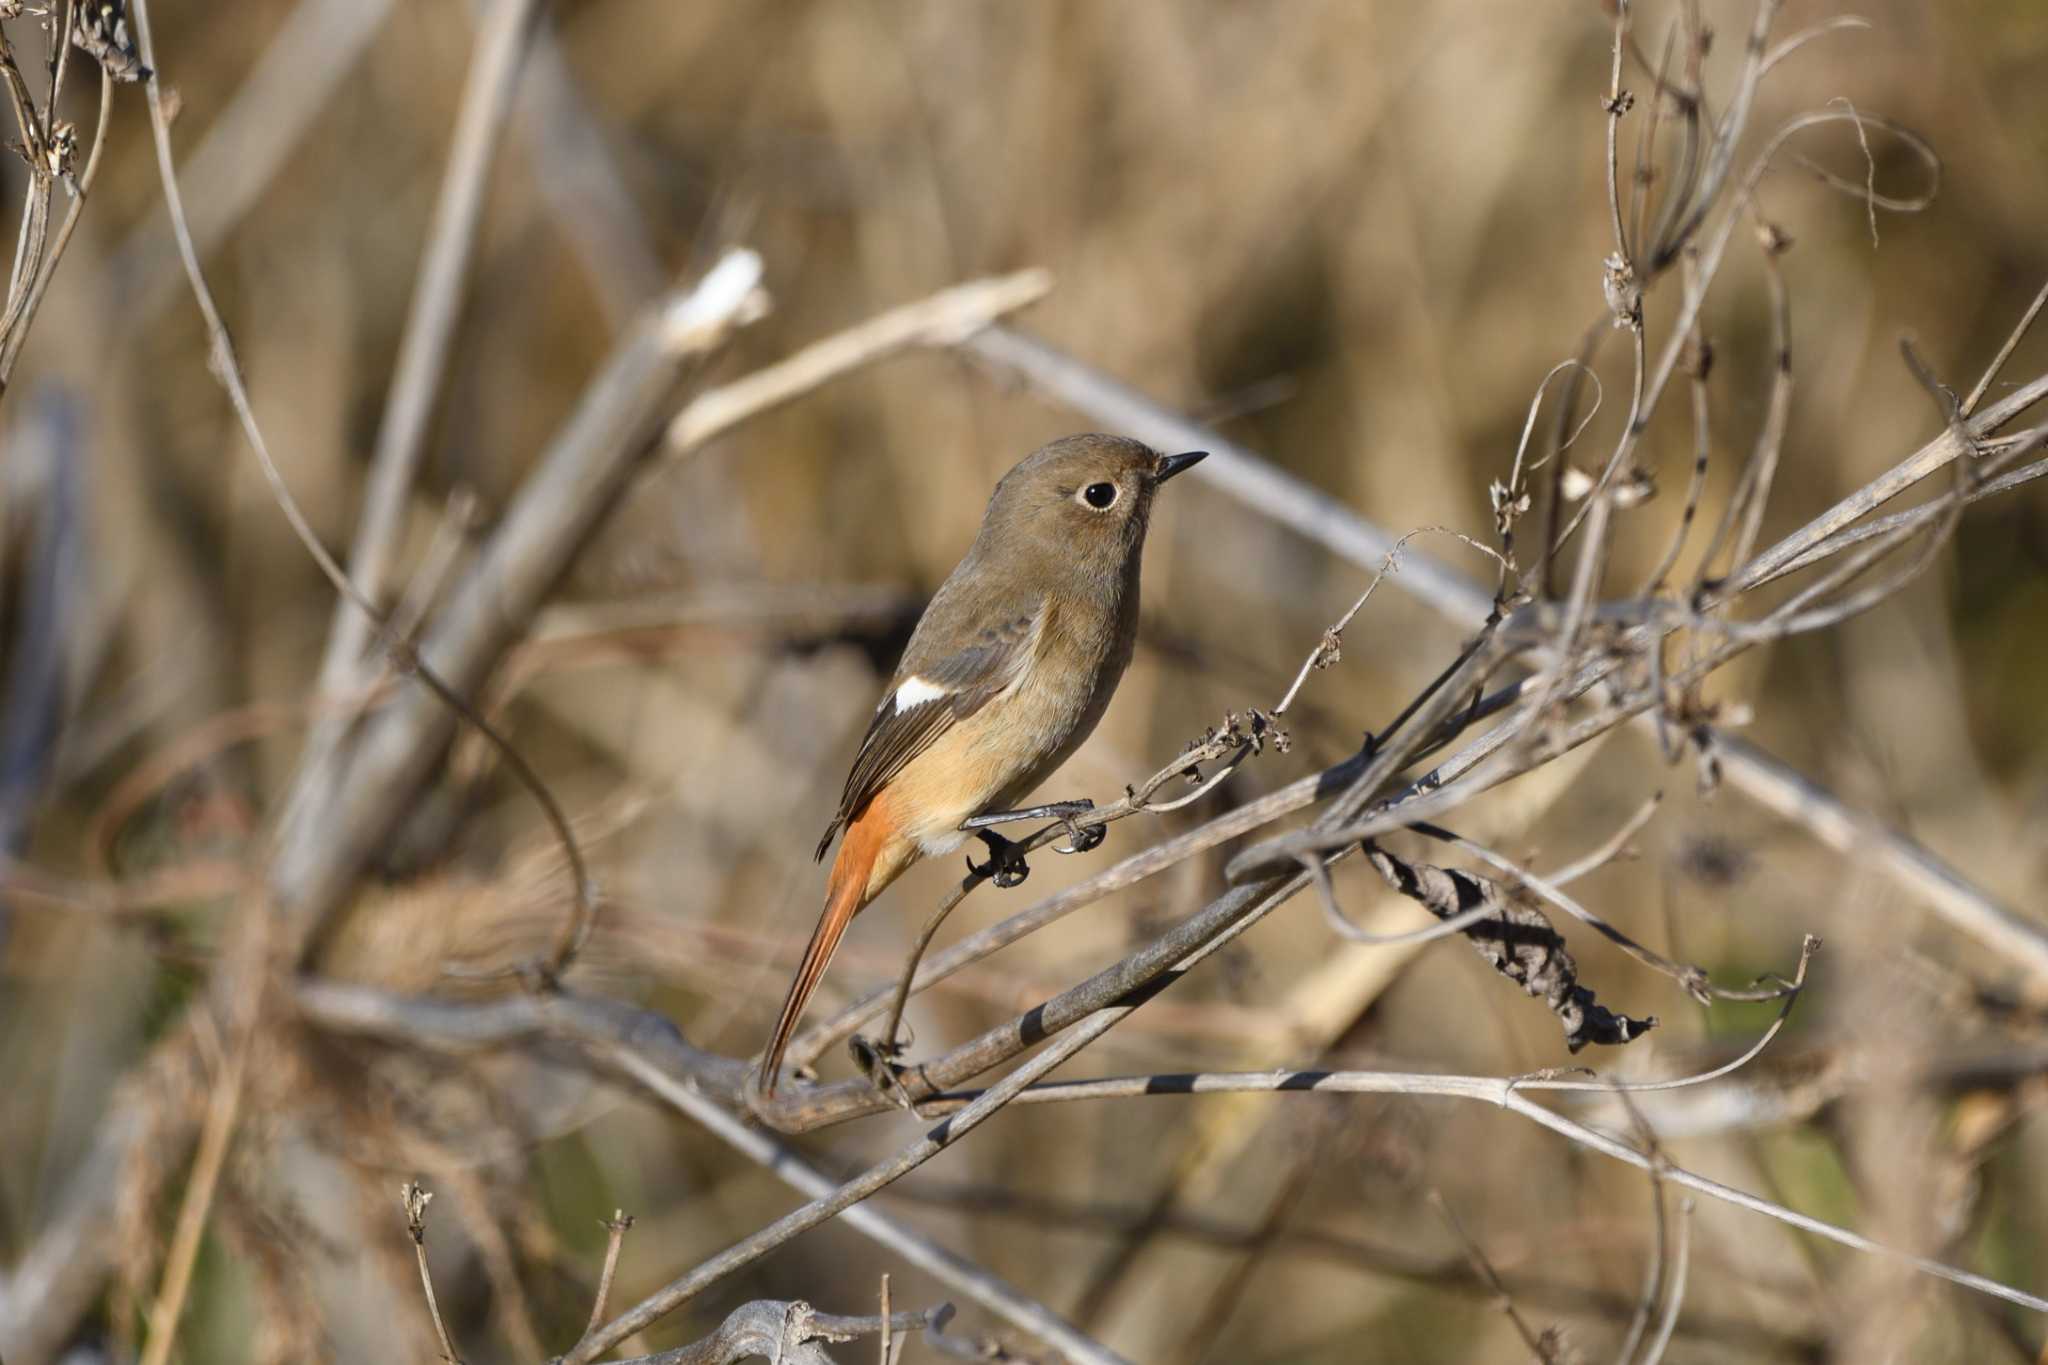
1171	465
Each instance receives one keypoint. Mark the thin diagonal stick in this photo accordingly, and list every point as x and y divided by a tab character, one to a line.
429	331
2012	342
1507	1095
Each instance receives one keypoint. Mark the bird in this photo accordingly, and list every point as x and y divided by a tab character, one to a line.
1007	672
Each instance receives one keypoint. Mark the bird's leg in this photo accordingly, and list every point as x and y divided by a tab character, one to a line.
1005	860
1058	810
1005	851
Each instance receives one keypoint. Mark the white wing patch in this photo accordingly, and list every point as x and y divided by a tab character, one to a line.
915	691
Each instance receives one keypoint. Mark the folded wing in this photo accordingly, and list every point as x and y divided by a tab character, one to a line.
926	701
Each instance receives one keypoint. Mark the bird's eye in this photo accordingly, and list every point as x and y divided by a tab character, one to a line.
1100	496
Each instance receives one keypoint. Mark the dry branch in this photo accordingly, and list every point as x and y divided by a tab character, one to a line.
945	319
335	817
423	348
786	1332
646	1050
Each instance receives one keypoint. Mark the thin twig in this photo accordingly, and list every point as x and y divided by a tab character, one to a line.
1235	912
242	983
647	1051
1681	1263
1917	516
787	1333
1539	1346
311	56
1743	516
1506	1095
1702	360
882	1347
947	318
1617	106
1611	848
615	1229
415	1199
17	336
332	821
2005	351
423	346
688	1286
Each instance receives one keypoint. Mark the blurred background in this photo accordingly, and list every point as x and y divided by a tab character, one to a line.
1353	236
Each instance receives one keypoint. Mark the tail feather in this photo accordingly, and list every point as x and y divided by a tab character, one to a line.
846	893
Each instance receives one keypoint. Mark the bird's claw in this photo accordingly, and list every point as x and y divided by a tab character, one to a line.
878	1063
1082	838
870	1053
1005	866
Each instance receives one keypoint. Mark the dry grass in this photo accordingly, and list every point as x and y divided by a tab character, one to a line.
1351	236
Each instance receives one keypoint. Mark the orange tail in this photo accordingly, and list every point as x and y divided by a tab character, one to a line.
845	893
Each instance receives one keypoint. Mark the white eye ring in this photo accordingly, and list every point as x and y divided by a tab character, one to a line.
1099	496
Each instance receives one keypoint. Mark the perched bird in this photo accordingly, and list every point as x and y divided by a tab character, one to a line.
1008	671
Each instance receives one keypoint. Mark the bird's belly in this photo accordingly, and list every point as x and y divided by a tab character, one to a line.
991	761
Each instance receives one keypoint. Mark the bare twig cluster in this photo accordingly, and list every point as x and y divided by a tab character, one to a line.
49	147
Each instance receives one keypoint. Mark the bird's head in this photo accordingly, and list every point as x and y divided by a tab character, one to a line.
1085	500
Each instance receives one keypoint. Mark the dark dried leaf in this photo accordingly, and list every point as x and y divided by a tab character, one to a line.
1517	938
102	33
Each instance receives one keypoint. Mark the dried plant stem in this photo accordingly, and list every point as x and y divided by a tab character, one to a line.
2024	444
681	1290
1506	1094
17	334
2005	351
434	1305
626	1047
221	358
882	1351
1681	1264
333	819
1249	904
198	1204
646	1051
615	1229
786	1333
423	347
241	985
945	319
415	1200
1483	1268
1931	458
227	370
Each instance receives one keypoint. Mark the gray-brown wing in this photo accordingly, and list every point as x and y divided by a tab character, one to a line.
923	704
